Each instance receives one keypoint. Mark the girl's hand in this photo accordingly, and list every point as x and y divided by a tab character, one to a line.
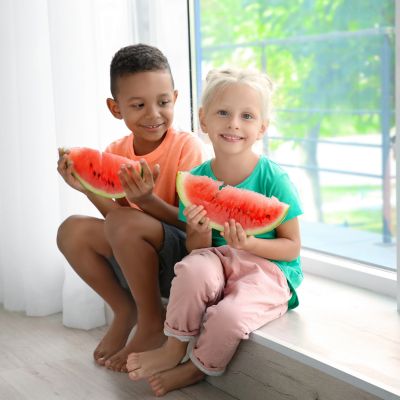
138	188
235	235
196	218
65	167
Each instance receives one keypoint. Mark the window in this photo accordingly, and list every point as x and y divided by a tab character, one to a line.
333	63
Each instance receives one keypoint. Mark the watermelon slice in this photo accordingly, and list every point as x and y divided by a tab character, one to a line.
256	213
98	171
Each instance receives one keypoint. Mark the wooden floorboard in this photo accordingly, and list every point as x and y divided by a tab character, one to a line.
40	359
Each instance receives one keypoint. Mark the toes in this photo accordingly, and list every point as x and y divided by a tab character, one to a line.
132	362
159	392
133	358
134	376
101	361
156	386
110	363
116	364
99	357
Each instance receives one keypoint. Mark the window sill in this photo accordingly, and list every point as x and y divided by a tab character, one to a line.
350	272
349	333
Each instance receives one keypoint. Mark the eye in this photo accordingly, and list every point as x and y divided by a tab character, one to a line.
164	102
247	116
222	113
138	105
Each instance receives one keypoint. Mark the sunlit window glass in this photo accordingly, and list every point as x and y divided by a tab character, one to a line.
333	128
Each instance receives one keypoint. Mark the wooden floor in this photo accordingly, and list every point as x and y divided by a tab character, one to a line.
40	359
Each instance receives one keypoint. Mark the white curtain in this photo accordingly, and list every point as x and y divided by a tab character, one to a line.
54	79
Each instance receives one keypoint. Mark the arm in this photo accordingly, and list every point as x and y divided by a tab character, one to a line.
161	210
103	204
139	190
285	247
198	230
196	240
187	157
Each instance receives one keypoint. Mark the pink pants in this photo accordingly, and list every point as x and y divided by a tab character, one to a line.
219	296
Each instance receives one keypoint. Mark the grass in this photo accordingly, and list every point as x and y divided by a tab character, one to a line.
332	193
366	219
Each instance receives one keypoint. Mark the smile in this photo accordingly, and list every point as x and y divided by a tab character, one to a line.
153	126
231	138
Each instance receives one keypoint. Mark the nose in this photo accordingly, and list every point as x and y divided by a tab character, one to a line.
233	122
153	110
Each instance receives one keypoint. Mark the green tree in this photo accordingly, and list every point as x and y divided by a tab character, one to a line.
326	57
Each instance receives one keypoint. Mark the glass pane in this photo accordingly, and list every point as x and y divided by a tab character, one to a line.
333	63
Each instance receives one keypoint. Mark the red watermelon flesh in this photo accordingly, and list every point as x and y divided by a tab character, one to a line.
98	171
256	213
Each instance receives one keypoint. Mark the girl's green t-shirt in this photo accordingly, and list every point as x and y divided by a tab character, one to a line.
269	179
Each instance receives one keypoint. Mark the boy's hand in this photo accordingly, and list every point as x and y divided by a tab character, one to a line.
65	168
235	235
138	188
196	218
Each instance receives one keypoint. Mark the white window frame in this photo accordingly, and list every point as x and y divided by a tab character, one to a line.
397	146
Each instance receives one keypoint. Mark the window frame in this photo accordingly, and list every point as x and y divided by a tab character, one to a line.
397	145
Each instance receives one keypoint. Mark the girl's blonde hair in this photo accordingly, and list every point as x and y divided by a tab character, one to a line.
218	79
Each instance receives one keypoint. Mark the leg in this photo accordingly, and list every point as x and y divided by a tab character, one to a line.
136	238
256	292
82	241
200	281
176	378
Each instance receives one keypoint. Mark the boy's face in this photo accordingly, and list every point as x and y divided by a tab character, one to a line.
145	101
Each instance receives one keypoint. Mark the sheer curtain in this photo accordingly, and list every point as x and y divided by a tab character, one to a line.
54	81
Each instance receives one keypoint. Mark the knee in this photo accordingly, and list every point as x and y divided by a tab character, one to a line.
189	270
196	272
119	224
70	231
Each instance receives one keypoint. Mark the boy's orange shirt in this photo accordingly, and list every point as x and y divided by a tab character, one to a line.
179	151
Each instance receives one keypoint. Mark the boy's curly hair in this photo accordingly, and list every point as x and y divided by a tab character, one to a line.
136	58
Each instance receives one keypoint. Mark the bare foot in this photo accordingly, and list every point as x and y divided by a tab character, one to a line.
115	337
139	342
143	365
175	378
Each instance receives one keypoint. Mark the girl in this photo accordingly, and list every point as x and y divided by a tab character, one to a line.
230	284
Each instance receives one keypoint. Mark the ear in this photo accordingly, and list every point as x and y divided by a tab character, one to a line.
202	120
263	129
175	95
114	108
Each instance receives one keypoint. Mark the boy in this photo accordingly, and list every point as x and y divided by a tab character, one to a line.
140	238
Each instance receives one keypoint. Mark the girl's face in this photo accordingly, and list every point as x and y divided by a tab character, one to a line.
233	119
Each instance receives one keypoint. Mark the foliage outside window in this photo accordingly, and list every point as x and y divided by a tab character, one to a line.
333	63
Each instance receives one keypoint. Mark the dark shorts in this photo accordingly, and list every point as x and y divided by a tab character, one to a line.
172	251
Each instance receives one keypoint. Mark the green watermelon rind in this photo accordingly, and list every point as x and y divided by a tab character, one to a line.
180	188
94	190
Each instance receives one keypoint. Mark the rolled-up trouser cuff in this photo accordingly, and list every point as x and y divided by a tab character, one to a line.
181	338
202	368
